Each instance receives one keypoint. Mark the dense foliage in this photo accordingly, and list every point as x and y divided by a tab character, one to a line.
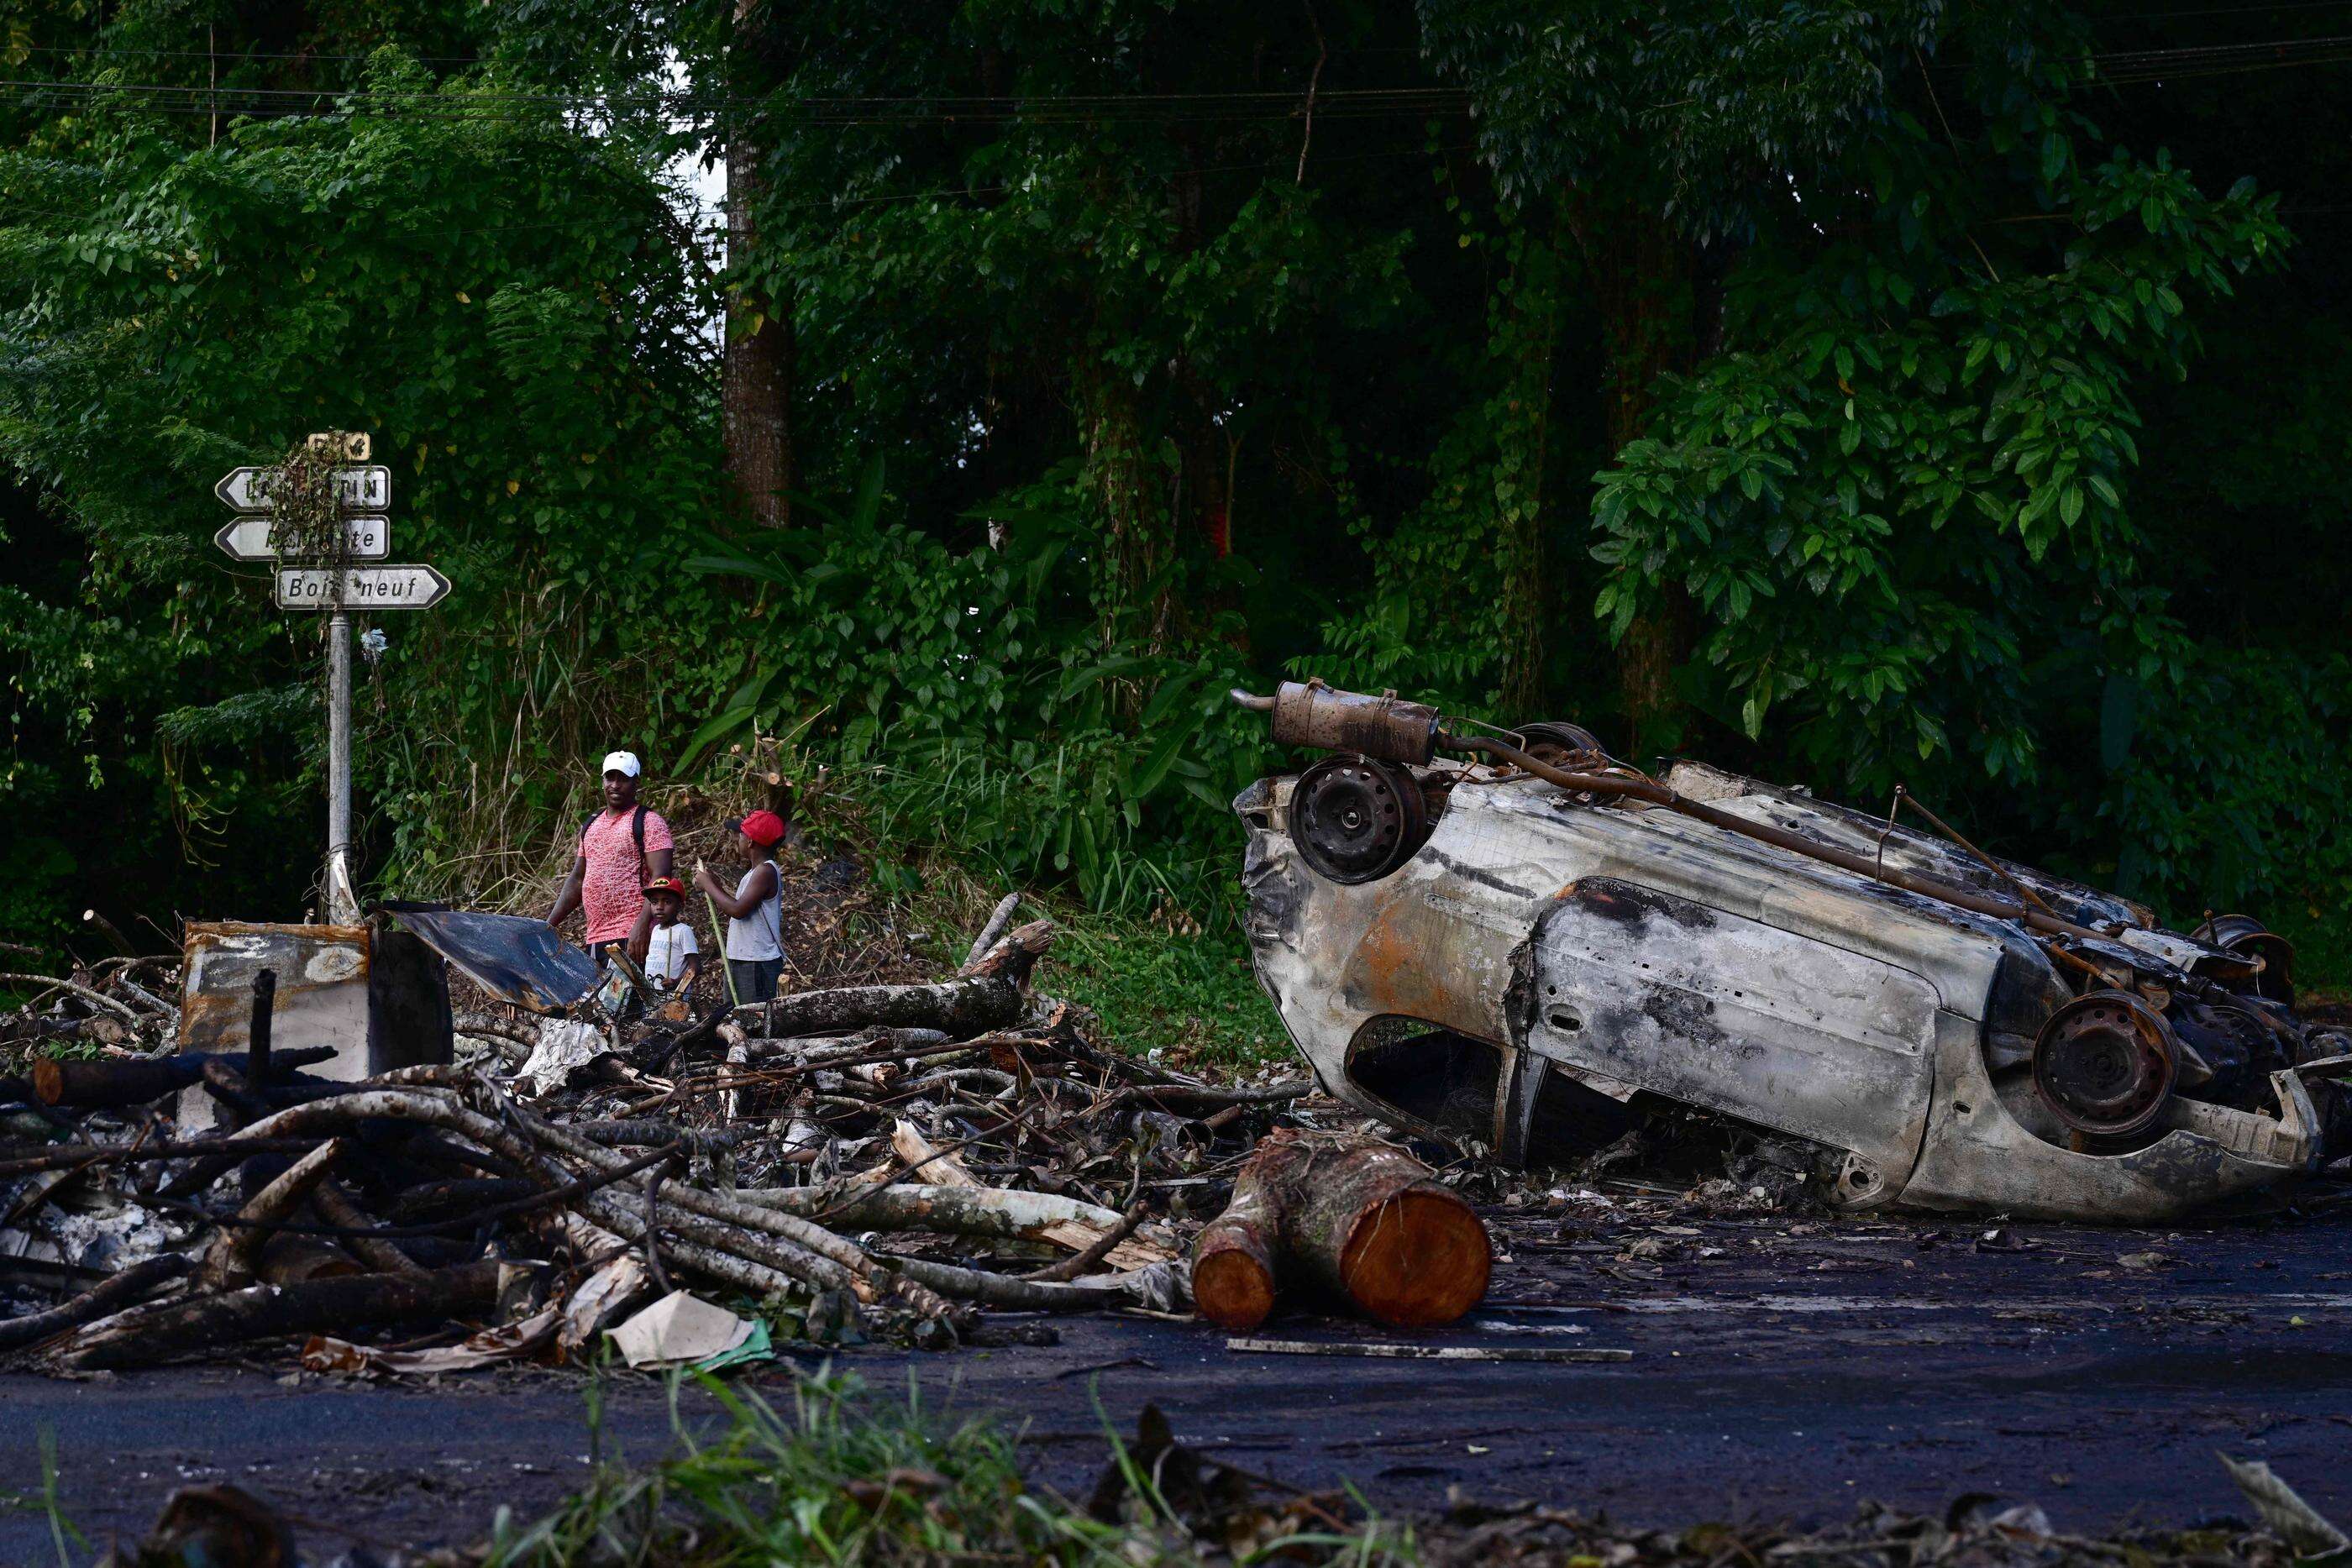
1933	394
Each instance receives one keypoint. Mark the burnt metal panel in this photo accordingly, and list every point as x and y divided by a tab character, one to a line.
323	987
515	959
1714	1010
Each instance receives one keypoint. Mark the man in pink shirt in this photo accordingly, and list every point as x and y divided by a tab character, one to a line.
623	847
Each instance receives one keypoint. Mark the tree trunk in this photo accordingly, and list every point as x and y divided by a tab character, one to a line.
146	1334
86	1085
1127	486
1642	276
1362	1218
944	1171
1523	538
959	1008
1235	1257
115	1293
755	392
230	1263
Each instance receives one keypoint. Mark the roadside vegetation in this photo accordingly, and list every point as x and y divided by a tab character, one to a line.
835	1475
1927	394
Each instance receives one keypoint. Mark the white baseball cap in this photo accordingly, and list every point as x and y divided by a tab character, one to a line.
622	762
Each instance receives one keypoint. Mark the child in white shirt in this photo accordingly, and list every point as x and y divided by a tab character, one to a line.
673	958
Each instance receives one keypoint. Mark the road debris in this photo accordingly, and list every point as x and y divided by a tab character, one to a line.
1400	1350
879	1159
679	1330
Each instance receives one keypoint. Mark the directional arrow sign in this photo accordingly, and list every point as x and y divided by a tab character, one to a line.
365	486
361	588
248	538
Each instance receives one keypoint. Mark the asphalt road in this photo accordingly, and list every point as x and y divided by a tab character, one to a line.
1780	1368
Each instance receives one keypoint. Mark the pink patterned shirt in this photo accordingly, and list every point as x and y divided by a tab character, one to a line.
615	888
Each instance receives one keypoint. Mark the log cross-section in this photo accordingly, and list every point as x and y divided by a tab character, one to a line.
1361	1219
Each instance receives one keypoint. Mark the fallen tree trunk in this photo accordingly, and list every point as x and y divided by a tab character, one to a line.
1002	1213
727	1210
162	1329
116	1292
864	1046
1004	1290
237	1250
98	1084
337	1207
1362	1218
942	1168
958	1008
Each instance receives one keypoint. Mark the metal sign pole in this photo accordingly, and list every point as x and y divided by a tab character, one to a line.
342	898
314	574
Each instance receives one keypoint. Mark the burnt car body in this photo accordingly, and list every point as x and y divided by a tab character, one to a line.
1516	955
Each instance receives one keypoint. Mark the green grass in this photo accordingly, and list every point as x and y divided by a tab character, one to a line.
1193	995
838	1478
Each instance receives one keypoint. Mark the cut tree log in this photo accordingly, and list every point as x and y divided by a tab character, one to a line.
1362	1218
960	1008
160	1331
1235	1257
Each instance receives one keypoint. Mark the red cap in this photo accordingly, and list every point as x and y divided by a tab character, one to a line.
764	829
666	884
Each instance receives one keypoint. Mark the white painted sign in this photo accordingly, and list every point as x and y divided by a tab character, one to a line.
361	587
367	487
248	538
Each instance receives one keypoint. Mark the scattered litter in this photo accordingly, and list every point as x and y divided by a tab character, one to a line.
677	1329
1391	1351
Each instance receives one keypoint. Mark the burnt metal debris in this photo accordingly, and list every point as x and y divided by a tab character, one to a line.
1523	945
514	959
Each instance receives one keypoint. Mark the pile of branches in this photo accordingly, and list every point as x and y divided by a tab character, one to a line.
885	1160
115	1005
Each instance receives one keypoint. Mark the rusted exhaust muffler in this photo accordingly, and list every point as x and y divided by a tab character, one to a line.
1311	714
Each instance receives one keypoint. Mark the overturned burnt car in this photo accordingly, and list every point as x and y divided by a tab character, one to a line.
1523	946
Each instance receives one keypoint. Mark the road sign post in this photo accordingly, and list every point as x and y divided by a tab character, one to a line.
343	893
252	538
361	493
363	488
360	586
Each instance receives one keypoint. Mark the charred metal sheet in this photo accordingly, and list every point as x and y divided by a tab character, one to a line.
379	998
322	986
1734	1014
515	959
